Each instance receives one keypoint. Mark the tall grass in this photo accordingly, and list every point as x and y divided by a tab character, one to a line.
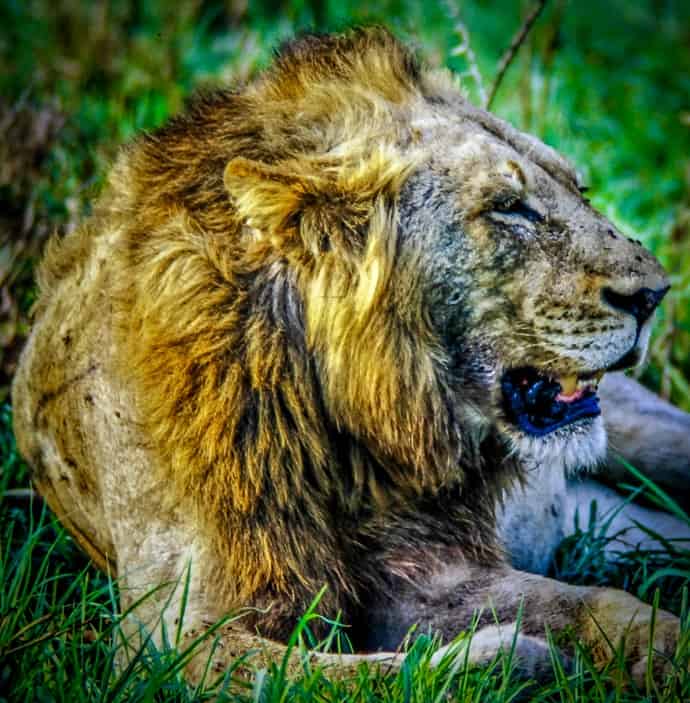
60	640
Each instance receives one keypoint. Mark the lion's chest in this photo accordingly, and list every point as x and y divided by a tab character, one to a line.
531	523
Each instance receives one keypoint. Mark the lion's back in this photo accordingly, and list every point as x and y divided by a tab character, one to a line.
68	412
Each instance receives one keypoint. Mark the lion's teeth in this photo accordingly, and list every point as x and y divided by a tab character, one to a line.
568	384
597	379
571	384
592	382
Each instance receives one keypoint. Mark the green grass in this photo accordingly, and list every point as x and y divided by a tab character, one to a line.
606	83
60	637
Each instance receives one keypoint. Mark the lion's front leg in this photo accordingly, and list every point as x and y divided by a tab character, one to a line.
183	617
603	619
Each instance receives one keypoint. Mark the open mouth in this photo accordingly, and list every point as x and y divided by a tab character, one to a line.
539	404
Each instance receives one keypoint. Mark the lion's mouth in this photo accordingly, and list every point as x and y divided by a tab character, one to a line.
539	404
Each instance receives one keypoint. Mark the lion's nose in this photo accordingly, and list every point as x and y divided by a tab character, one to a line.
641	304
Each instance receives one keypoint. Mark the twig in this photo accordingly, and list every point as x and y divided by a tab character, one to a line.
47	636
465	48
511	51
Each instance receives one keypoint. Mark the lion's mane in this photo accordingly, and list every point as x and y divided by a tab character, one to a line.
307	412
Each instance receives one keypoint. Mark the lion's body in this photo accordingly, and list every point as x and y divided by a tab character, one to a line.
242	360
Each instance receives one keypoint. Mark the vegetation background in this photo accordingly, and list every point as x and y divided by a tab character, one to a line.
607	83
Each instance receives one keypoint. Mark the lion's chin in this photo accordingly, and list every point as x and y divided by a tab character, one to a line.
573	449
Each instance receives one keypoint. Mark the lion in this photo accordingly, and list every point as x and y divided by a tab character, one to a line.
318	335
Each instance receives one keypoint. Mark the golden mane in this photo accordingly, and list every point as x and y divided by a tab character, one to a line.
258	235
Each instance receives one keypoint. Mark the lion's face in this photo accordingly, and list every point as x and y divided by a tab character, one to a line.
534	294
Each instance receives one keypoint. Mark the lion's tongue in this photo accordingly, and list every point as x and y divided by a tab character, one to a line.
572	397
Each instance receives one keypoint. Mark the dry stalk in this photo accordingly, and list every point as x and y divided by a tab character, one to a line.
464	48
21	494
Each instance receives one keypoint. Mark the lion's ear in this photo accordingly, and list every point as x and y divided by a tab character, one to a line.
327	202
268	198
298	200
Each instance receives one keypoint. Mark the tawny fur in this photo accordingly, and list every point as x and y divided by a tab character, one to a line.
303	370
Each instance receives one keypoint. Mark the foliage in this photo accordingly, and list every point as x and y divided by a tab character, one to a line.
606	83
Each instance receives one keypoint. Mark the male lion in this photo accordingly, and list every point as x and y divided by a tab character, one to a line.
313	332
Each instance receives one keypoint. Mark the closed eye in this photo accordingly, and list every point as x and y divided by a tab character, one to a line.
519	208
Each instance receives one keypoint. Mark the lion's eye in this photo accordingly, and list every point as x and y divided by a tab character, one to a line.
518	207
506	204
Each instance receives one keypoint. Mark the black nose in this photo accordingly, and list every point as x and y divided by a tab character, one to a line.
641	304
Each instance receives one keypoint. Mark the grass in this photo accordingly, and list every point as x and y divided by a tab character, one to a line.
60	641
606	83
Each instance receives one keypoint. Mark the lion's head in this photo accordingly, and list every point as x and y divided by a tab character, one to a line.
442	254
346	282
